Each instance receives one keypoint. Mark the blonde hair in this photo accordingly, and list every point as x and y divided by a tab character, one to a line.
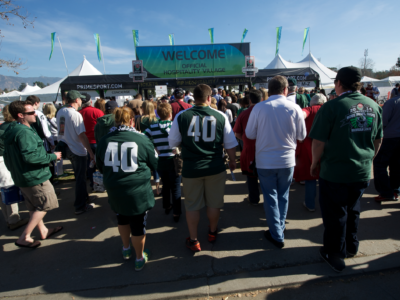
214	103
123	115
164	111
6	114
49	111
264	94
100	104
148	110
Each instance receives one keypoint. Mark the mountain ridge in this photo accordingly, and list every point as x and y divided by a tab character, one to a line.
13	82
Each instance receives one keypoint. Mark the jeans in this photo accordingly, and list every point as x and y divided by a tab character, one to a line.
156	176
275	184
311	193
254	192
340	207
90	171
79	167
388	155
171	185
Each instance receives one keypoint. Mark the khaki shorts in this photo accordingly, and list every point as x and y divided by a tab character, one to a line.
40	197
204	191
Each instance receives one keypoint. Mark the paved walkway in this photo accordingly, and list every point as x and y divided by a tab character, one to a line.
84	260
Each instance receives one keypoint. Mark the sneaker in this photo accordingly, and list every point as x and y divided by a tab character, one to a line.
269	237
86	208
194	246
334	261
380	198
91	199
139	265
19	224
309	209
126	254
248	200
212	236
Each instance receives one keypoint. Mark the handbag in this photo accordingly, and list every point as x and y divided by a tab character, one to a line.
178	162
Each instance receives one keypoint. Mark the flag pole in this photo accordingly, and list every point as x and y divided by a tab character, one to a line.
101	49
63	55
309	46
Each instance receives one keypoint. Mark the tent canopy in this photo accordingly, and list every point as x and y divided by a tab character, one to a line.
30	89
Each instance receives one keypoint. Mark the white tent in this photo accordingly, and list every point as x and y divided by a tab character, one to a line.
11	96
30	89
368	79
327	76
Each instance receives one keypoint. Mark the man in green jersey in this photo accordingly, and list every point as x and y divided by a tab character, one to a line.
346	133
203	133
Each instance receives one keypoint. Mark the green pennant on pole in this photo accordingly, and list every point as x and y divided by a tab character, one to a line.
211	32
278	39
53	35
305	38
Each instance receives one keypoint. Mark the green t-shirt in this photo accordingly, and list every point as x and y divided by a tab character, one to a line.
348	125
302	100
125	158
203	132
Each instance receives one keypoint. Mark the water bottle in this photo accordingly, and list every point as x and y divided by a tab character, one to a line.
92	164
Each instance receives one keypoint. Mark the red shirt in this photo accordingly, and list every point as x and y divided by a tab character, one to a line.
176	108
249	146
90	115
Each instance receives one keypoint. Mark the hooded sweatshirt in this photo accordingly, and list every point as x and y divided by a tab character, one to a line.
25	156
103	126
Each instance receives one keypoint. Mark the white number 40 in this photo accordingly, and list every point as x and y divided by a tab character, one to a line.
194	128
111	157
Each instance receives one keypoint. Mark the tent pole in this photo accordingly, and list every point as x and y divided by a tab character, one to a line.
63	55
309	47
101	49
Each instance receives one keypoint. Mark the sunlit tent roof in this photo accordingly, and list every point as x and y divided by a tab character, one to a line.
30	89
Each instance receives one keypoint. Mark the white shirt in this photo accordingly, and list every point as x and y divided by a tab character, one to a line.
276	124
228	113
187	98
70	125
175	137
43	122
292	98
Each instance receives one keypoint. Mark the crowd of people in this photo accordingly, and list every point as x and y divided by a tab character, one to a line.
284	134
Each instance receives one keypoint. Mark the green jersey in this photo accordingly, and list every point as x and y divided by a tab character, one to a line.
125	157
348	125
202	132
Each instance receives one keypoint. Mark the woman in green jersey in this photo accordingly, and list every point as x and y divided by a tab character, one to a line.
125	157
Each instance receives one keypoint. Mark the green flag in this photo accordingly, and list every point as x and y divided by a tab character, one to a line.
97	40
53	35
278	39
135	38
211	32
244	35
171	39
305	38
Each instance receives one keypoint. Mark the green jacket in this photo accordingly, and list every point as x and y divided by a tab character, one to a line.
125	158
103	126
302	100
25	156
3	128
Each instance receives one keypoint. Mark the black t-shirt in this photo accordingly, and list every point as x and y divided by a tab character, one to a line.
233	109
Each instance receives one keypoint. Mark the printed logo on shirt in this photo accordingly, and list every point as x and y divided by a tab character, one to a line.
360	118
62	126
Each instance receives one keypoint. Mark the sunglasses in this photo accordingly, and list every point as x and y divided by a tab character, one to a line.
31	113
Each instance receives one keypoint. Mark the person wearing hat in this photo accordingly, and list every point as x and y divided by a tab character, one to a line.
396	91
332	95
347	134
105	123
71	131
372	91
299	99
179	105
90	115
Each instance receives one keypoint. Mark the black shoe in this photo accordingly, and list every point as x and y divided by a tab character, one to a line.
86	208
268	236
334	261
91	199
176	218
168	210
350	255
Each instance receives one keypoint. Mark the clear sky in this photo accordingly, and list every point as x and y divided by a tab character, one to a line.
340	31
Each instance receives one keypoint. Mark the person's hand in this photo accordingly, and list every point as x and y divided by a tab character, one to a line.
91	156
313	169
173	151
232	165
58	154
53	147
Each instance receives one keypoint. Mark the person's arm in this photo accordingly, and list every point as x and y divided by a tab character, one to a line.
239	136
301	129
251	128
317	150
174	137
230	143
85	142
232	158
377	145
238	128
46	132
28	147
152	156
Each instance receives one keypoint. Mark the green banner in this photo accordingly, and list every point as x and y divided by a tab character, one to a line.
193	60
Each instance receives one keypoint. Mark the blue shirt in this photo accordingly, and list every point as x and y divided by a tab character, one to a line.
391	117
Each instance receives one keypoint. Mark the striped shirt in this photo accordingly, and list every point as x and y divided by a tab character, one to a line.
158	133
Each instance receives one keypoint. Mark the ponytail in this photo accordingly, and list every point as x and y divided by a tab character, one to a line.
123	115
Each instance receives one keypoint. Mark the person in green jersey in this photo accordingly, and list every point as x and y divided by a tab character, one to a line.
346	133
125	158
203	132
158	133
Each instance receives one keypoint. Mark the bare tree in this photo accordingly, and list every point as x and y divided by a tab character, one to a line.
366	65
8	9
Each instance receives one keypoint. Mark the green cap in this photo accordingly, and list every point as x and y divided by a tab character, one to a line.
292	81
72	95
349	75
333	92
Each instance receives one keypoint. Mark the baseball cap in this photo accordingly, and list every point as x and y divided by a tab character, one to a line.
87	99
164	98
333	92
349	75
292	81
179	92
110	105
72	95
